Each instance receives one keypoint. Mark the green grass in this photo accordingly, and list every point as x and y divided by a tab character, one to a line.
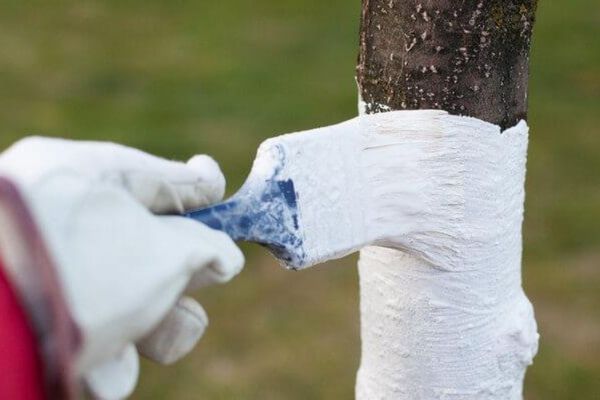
177	78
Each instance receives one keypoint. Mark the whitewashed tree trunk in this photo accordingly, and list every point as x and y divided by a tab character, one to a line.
446	318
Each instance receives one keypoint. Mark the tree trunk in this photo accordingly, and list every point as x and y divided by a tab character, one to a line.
468	58
465	57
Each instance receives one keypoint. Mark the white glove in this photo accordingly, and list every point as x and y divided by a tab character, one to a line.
122	267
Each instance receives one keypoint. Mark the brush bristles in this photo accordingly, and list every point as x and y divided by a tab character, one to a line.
323	165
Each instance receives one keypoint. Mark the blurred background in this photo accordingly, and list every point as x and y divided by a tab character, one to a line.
177	78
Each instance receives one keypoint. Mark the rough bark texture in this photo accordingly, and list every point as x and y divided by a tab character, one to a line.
467	57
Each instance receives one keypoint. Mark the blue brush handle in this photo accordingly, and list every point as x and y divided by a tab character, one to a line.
228	217
262	212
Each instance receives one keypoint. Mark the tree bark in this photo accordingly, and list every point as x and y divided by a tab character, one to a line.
467	57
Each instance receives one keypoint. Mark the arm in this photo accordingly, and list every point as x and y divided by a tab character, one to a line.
32	293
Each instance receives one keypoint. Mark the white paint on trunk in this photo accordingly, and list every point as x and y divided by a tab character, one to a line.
443	313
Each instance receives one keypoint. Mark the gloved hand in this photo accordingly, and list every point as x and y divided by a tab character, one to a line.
122	261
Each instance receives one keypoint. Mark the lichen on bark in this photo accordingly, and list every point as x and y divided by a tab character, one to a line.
467	57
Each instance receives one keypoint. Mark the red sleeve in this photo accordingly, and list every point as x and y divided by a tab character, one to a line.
39	340
20	365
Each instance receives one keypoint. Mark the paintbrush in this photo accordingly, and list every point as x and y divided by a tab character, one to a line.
321	194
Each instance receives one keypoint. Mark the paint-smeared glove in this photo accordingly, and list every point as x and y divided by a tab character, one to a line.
122	260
